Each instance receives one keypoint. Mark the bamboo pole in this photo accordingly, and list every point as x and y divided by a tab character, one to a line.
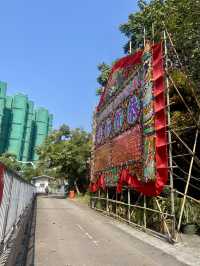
130	47
129	207
183	101
192	186
145	215
181	155
107	209
186	128
169	140
165	224
181	170
153	33
144	32
180	63
196	159
116	203
195	200
148	230
99	195
135	206
181	97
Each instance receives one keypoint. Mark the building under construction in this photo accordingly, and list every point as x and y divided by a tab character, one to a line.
22	128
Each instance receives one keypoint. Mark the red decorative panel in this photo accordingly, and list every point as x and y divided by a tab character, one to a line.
131	138
127	147
102	157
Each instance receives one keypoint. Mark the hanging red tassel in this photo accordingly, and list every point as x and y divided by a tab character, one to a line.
101	182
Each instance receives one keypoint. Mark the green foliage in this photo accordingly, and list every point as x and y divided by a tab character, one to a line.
191	213
148	17
105	72
25	171
183	24
83	198
28	172
10	160
99	91
66	152
181	19
103	77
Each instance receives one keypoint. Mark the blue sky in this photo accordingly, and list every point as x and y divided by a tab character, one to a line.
49	50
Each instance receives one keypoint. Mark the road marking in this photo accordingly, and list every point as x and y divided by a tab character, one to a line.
87	234
80	227
95	242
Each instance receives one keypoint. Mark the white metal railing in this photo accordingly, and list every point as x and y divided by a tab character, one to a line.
17	196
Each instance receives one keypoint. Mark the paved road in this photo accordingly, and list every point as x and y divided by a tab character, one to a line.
69	234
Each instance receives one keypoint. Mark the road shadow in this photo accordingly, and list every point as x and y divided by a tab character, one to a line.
54	196
30	258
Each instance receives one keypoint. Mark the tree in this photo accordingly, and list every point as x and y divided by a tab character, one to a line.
180	18
68	152
10	161
102	79
28	172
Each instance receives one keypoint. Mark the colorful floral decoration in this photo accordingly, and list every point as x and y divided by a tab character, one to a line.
99	135
131	142
149	168
149	159
147	95
108	128
133	110
118	120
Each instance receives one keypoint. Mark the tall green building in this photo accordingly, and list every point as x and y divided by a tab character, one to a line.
3	88
22	128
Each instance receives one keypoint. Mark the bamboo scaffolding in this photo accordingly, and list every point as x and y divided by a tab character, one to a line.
188	180
147	230
145	214
192	177
185	181
107	196
164	215
181	155
180	63
165	224
130	47
182	99
191	198
129	207
173	166
184	129
133	205
169	138
196	159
